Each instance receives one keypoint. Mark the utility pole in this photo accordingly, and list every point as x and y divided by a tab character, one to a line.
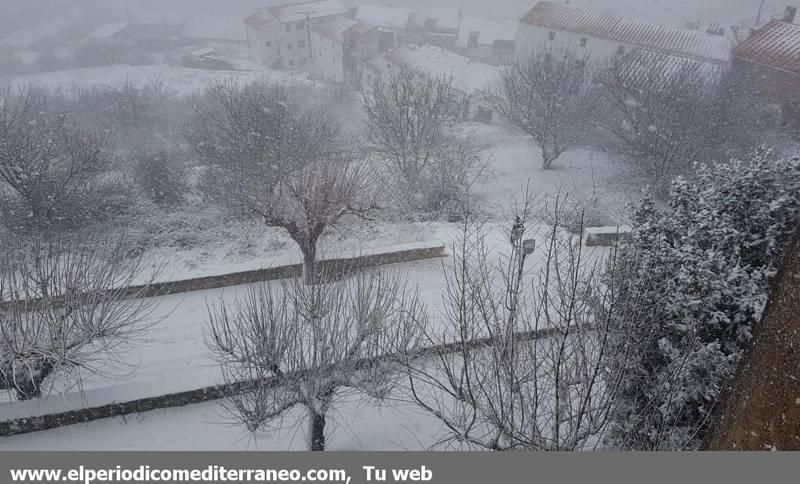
758	15
308	13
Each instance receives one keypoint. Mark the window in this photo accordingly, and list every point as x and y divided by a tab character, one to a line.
301	43
291	63
269	43
303	61
552	36
472	42
334	59
621	50
301	25
584	40
289	46
288	27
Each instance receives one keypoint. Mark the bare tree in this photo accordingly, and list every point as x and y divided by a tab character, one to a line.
51	166
520	361
66	310
661	112
546	94
290	168
293	344
410	117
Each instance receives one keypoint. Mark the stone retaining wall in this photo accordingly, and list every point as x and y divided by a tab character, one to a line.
216	392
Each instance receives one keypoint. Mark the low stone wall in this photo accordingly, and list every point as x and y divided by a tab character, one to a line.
328	266
605	236
216	392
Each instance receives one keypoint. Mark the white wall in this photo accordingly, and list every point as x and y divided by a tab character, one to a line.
531	37
328	62
291	45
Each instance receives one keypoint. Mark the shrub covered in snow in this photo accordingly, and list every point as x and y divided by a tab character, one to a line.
700	267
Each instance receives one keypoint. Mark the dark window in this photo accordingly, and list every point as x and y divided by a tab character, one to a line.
301	25
552	36
621	50
291	63
584	40
269	43
303	61
503	45
289	46
301	43
288	27
472	42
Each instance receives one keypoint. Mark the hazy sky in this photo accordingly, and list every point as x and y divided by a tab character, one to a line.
19	13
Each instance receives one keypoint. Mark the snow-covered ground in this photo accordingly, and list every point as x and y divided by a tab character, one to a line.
352	425
173	356
182	80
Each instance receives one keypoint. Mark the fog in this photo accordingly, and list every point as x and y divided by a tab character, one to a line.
582	214
21	13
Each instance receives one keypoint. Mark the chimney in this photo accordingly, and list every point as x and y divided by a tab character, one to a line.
789	14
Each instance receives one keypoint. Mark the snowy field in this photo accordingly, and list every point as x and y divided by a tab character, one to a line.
181	79
352	425
173	357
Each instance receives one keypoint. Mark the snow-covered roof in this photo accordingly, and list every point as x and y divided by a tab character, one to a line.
106	31
468	76
296	12
656	69
336	27
649	35
259	19
775	45
489	30
389	17
214	27
30	37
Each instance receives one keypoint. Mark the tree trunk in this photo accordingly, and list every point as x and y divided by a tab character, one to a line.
547	159
28	387
310	272
317	430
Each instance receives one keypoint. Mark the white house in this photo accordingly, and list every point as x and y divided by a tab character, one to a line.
281	36
604	36
487	40
474	79
340	46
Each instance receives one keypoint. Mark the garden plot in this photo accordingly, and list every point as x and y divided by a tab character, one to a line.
172	357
